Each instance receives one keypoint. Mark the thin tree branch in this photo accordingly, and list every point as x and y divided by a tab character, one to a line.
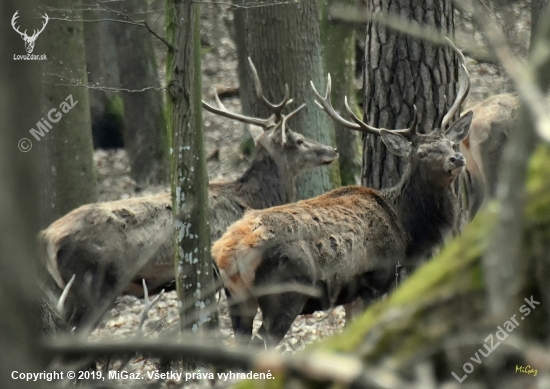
74	82
142	23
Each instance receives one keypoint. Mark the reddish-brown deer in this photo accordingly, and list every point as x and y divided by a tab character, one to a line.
346	243
101	242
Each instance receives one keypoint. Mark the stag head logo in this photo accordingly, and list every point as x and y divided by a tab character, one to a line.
29	40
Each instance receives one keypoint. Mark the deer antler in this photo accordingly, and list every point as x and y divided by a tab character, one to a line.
463	86
275	108
326	105
222	111
273	121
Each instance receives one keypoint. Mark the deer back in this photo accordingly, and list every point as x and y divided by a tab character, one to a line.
338	229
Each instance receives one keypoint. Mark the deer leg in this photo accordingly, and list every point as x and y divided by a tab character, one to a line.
242	315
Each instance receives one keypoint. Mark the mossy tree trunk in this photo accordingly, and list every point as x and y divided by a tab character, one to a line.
338	40
69	173
19	203
194	270
145	133
284	43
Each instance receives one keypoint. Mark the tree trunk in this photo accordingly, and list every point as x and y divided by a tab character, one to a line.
69	177
338	41
539	8
401	71
189	177
101	61
19	175
283	41
145	135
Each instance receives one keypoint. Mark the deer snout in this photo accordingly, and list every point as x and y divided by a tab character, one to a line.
457	160
455	163
329	156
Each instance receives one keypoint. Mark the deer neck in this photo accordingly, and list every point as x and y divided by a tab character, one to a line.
266	183
426	214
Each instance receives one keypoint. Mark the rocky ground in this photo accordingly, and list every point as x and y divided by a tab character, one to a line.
222	139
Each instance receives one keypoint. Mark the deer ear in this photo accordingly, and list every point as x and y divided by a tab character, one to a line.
460	128
396	143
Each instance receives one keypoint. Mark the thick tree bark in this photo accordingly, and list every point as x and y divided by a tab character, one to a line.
284	43
69	177
401	71
338	41
19	174
145	134
189	177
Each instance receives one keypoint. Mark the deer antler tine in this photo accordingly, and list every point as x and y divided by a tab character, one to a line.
287	94
364	126
412	129
319	105
440	121
326	105
316	93
275	108
218	101
283	129
290	115
222	111
463	89
257	84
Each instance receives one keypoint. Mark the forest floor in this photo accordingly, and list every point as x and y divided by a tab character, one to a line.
226	162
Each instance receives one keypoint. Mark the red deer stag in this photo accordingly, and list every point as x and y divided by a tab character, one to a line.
347	242
101	242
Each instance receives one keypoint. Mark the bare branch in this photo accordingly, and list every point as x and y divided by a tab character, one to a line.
141	23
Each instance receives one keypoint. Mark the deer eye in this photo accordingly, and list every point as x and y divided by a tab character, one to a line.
300	142
422	154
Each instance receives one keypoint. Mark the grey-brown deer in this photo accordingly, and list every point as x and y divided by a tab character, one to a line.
100	242
494	118
347	242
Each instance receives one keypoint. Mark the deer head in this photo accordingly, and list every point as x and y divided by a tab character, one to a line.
432	155
29	40
290	149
